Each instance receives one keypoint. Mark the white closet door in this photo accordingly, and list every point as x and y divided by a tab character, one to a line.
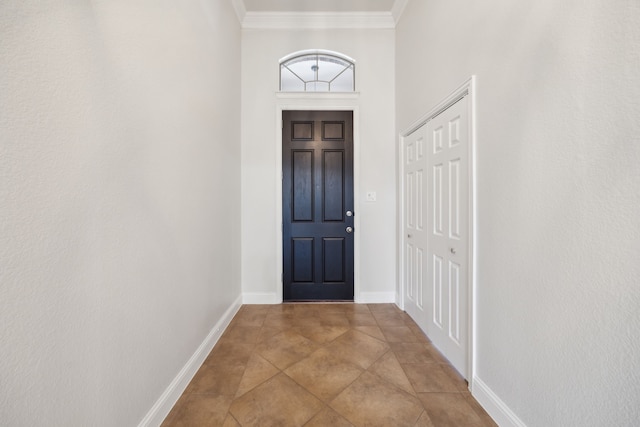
447	223
415	230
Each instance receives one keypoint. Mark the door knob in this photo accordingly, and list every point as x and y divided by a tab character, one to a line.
349	230
453	251
349	213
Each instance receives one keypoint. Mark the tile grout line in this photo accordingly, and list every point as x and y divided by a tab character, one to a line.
313	317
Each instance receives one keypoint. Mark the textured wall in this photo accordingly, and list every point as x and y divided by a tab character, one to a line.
373	51
119	194
558	181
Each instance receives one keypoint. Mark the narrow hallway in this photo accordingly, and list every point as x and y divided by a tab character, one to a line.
326	365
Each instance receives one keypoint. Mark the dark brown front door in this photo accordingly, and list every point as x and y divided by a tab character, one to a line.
317	205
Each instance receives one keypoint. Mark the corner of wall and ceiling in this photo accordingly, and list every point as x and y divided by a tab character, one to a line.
318	20
241	10
398	9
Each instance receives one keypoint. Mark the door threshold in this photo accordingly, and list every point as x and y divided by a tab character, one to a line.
319	302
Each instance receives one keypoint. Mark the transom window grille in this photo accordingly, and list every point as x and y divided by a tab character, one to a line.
317	71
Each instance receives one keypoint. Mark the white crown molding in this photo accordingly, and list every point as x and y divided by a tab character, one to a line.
317	20
398	9
241	10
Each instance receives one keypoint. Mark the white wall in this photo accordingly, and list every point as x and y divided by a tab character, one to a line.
119	193
373	51
558	179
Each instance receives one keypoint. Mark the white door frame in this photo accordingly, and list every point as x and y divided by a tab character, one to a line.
466	89
328	102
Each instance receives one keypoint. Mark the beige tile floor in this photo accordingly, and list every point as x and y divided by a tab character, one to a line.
326	365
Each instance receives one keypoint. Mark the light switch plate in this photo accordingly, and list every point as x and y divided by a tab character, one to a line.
371	196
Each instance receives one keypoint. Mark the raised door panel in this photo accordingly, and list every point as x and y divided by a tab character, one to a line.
302	171
302	262
333	185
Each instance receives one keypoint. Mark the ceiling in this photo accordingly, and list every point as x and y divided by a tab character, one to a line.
319	5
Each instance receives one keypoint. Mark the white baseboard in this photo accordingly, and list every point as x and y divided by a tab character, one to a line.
495	407
168	399
261	298
376	297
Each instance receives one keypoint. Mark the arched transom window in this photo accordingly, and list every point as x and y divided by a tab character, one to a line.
317	71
